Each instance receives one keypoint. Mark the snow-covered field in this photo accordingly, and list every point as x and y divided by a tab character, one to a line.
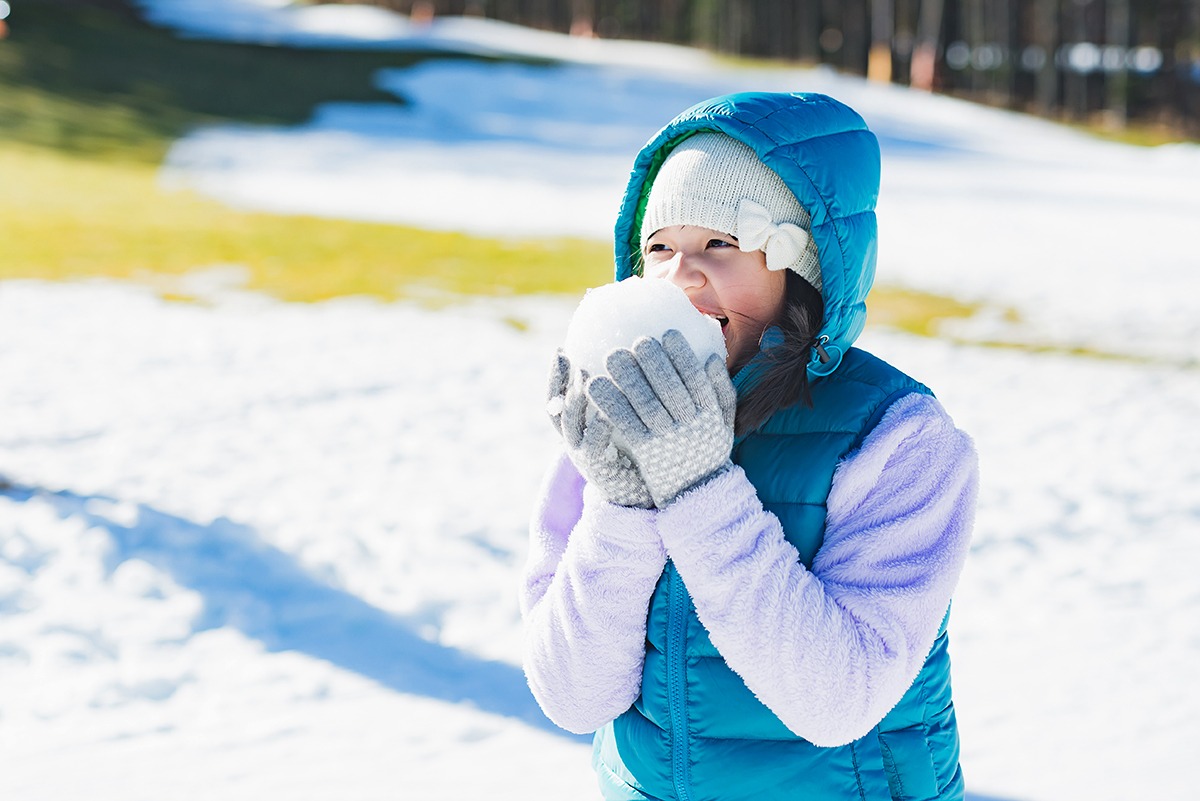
258	550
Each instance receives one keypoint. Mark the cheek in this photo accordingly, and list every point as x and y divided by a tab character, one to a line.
653	270
773	294
763	303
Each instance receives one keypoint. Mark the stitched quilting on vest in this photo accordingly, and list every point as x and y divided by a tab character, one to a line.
697	731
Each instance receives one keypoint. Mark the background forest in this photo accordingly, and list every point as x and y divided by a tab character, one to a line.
1109	62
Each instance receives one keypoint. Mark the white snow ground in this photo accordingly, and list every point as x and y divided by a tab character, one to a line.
260	550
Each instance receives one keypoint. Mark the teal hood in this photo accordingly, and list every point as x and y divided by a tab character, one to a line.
824	152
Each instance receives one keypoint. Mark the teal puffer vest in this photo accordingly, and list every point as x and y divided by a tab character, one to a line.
697	732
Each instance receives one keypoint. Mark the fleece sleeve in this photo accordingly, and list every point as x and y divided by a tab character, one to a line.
832	649
585	593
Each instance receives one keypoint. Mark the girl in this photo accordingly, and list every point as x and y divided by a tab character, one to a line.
742	585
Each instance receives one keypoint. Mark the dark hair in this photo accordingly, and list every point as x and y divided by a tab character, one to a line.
784	381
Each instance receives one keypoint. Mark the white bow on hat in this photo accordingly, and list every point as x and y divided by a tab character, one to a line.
784	243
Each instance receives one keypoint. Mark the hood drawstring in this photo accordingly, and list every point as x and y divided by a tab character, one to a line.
824	360
820	348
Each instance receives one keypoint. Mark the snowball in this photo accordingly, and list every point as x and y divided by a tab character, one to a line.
616	315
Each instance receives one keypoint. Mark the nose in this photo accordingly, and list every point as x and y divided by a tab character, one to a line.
684	271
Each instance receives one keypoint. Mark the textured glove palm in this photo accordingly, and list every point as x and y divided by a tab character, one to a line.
587	438
673	416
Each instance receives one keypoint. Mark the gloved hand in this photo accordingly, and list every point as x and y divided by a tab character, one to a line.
588	440
673	416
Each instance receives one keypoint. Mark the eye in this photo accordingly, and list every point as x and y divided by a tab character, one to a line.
721	243
656	247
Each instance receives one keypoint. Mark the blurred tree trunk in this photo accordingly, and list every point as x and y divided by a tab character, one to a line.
923	68
704	21
1170	20
583	18
808	30
739	24
879	58
1000	25
974	34
854	36
1075	83
1045	29
673	21
776	37
1117	80
1191	102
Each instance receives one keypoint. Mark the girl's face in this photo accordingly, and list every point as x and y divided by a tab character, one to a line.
721	281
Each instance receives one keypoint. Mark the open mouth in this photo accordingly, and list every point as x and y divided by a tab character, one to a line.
721	320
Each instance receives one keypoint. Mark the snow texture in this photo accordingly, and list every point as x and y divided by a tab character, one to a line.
617	315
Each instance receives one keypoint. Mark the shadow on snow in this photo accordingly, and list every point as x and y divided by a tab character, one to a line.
575	108
260	590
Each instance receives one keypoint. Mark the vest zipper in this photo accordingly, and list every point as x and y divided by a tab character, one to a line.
676	684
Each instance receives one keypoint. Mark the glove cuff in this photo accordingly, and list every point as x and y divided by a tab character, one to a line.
663	503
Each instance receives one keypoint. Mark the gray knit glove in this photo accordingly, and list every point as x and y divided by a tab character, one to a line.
673	416
588	439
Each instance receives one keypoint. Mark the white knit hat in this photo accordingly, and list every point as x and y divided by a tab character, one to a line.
714	181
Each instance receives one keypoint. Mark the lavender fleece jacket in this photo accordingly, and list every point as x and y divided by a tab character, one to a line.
828	650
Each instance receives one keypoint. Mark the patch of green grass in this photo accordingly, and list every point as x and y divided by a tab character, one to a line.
91	98
912	311
743	62
1138	134
63	216
92	78
923	314
1079	351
